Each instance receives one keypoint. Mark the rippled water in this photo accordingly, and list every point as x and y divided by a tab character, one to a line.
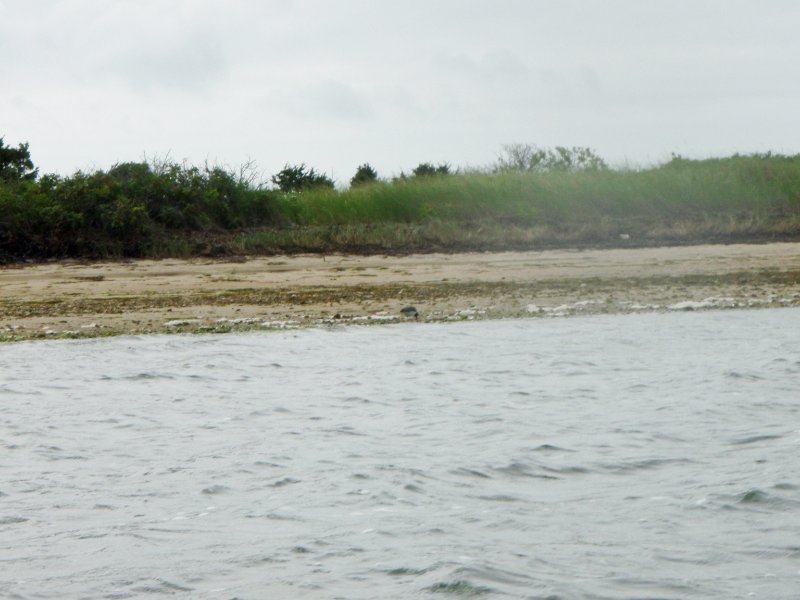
640	456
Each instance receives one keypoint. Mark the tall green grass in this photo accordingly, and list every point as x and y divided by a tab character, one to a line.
680	189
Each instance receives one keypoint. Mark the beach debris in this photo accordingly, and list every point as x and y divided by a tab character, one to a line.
628	305
468	313
181	322
712	302
382	316
287	324
239	321
562	309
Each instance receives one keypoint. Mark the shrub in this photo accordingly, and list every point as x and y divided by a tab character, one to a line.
364	174
527	157
428	169
296	178
15	163
126	210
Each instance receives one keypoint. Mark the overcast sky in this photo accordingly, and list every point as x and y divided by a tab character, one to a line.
335	83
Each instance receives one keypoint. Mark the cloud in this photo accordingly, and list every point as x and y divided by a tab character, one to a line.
338	83
86	43
190	64
329	99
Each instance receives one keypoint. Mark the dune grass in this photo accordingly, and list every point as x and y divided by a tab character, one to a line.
738	198
680	189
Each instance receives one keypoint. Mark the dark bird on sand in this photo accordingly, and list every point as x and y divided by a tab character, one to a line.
409	311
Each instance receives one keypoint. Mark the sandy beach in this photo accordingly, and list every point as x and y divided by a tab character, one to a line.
77	299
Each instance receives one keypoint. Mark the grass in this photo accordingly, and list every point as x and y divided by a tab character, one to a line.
740	198
757	185
521	210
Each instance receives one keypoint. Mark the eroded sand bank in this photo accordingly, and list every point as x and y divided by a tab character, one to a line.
88	299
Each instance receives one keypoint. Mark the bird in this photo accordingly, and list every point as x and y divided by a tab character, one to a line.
409	311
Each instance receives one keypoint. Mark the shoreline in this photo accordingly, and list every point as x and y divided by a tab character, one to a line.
70	299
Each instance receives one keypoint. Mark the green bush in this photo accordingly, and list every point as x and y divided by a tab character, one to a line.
429	169
527	157
297	178
15	163
125	211
364	174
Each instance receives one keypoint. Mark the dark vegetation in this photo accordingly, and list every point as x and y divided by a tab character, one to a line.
531	198
364	174
299	178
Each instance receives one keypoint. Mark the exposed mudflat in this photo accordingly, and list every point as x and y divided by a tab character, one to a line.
76	299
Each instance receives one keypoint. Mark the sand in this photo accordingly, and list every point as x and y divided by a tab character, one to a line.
76	299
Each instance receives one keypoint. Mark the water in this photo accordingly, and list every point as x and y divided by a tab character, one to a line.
641	456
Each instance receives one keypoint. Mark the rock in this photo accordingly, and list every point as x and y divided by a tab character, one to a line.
409	311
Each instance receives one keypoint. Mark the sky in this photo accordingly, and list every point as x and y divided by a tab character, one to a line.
337	83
